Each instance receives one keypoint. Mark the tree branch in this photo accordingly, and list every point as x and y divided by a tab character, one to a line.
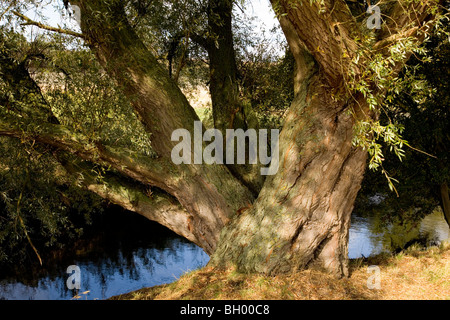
127	162
153	204
405	19
200	40
30	22
384	43
210	194
326	29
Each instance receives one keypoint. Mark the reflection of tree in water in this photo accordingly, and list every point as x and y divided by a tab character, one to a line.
125	246
398	229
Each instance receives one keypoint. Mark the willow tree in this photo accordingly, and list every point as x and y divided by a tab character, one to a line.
301	216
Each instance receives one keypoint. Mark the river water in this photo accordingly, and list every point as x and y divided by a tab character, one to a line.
128	256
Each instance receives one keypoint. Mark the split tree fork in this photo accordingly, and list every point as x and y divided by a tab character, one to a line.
301	216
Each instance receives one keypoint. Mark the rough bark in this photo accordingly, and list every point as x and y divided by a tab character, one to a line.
227	112
328	35
302	215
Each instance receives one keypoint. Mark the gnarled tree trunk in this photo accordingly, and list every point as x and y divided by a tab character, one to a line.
302	215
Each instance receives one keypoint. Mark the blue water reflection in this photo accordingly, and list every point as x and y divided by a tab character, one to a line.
129	256
104	277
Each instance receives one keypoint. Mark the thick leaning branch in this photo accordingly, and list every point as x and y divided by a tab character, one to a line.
202	225
405	14
34	110
209	193
129	163
152	203
37	122
159	206
405	19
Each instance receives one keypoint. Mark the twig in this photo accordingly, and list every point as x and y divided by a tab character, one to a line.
30	22
22	224
7	9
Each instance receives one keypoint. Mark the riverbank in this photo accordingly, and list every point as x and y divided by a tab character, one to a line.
414	274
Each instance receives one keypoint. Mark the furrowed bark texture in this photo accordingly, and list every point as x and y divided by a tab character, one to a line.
302	215
301	218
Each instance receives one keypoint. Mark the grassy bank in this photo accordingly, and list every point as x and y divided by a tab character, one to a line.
412	274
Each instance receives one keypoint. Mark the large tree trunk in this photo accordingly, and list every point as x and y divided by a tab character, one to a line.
302	215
